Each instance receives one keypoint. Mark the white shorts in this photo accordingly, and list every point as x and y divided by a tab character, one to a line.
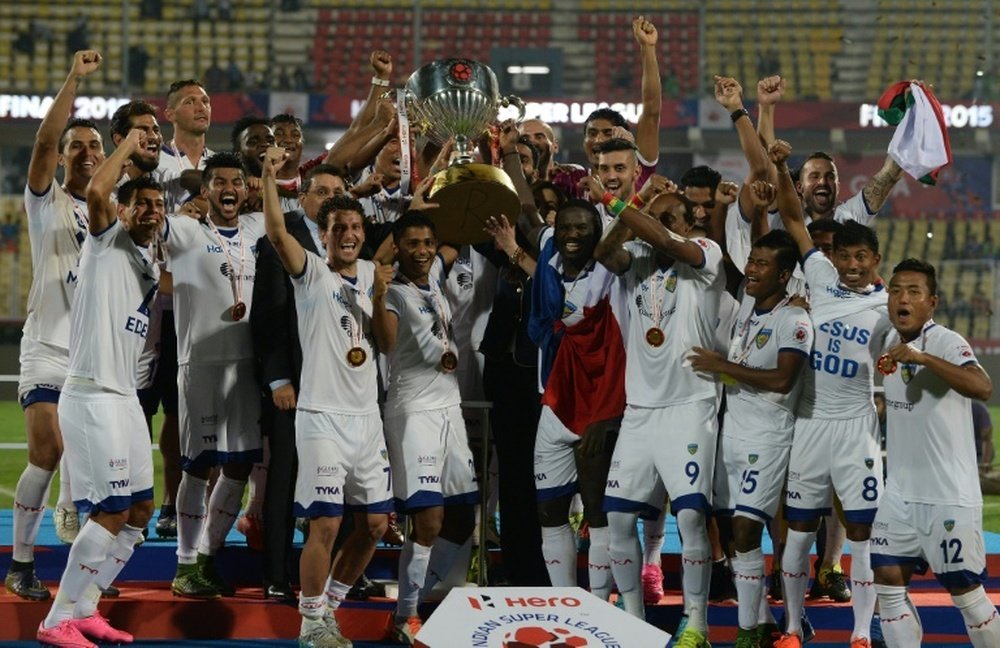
431	461
947	538
659	448
219	413
835	455
749	478
43	372
342	459
107	449
555	461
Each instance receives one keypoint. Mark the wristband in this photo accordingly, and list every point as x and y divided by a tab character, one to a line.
517	256
636	201
736	114
380	82
607	197
616	207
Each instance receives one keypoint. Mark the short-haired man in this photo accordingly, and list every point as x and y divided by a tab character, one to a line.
189	111
213	262
108	450
434	477
932	511
57	226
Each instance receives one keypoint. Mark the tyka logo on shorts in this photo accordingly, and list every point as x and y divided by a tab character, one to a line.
327	490
118	483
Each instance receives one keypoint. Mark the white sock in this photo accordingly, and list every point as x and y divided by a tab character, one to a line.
443	554
311	608
65	499
86	555
30	495
190	517
624	552
118	555
336	592
863	594
223	507
258	484
413	560
748	575
981	619
696	561
795	576
836	535
559	552
764	614
599	564
653	532
900	622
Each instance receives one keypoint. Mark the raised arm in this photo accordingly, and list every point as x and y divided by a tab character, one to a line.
763	194
729	94
770	90
648	129
101	211
512	164
359	145
45	154
290	251
789	203
877	189
381	64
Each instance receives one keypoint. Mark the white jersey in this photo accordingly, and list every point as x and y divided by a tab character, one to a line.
57	228
172	165
203	289
738	227
110	315
417	382
335	316
849	329
759	415
931	452
683	302
386	206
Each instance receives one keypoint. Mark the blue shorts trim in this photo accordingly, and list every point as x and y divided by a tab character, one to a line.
793	514
318	510
961	579
755	512
383	507
40	395
861	516
885	560
548	494
114	504
695	501
463	499
419	500
211	458
622	505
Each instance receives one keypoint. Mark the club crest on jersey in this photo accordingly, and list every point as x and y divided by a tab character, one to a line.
384	454
869	463
670	283
753	458
568	309
801	334
465	281
949	525
692	448
907	372
762	338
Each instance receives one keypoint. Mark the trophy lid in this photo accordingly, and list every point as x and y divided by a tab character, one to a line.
452	97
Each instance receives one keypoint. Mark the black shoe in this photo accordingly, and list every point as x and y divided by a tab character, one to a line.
364	588
721	586
775	587
110	592
281	592
25	584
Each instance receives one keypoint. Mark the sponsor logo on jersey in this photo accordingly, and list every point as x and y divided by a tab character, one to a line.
211	419
692	448
327	471
949	525
465	280
801	334
763	337
426	460
118	464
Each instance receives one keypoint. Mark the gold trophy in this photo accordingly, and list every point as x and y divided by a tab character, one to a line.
459	98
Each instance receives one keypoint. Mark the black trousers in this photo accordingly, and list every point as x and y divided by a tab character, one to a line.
279	522
514	422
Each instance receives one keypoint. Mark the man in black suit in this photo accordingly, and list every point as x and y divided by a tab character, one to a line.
279	362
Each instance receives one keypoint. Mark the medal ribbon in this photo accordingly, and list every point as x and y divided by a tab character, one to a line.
404	143
745	337
353	309
438	308
235	279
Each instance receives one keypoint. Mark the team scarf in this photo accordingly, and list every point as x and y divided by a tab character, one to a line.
920	144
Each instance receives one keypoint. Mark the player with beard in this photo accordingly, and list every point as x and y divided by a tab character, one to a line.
932	511
770	345
108	451
57	224
213	262
341	449
251	137
835	447
618	171
605	124
544	139
673	285
574	323
434	479
138	115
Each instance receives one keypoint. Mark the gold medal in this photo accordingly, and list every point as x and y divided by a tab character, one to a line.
356	356
886	365
654	336
449	361
239	311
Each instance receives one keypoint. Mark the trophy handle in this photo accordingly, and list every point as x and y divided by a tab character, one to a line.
514	100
